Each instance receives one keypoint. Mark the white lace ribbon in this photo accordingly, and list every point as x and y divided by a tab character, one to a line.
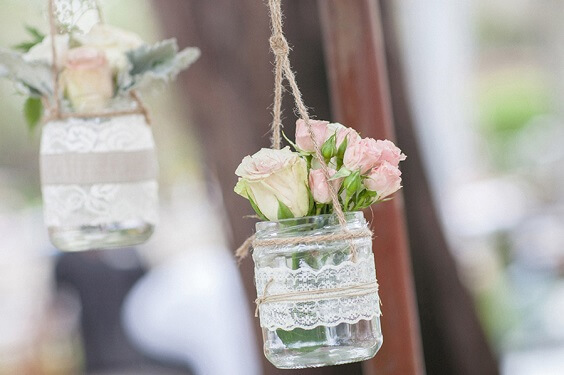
346	293
73	196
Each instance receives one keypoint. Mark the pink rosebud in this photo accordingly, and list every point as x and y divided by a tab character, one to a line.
303	137
362	155
385	180
319	186
87	79
390	152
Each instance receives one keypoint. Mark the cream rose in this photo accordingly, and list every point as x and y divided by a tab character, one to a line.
44	53
87	79
114	41
272	176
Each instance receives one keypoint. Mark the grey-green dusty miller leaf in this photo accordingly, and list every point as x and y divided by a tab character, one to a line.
34	75
159	62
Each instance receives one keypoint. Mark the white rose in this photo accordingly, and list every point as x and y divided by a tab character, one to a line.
43	52
114	41
272	176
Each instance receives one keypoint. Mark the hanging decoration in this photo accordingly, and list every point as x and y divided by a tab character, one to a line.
98	161
317	294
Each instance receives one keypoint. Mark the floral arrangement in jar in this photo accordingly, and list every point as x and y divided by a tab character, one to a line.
92	68
284	184
98	161
315	274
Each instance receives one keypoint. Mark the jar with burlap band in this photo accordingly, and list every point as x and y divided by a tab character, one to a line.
99	180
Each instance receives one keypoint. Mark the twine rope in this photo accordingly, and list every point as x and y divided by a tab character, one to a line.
54	108
315	295
283	70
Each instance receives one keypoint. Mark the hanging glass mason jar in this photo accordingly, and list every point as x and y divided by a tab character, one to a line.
317	297
98	178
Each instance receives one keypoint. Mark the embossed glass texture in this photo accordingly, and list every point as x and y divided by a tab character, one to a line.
118	210
320	331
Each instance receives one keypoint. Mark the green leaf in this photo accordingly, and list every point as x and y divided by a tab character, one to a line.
283	211
34	32
352	183
341	150
24	46
311	205
343	172
290	142
371	194
33	109
37	35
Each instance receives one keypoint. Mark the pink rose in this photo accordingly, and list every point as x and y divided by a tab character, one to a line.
349	133
390	152
385	180
362	155
319	186
303	138
87	79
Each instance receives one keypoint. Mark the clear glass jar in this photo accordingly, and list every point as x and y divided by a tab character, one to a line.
334	326
98	179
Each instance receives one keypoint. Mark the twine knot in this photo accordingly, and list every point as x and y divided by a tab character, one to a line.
279	45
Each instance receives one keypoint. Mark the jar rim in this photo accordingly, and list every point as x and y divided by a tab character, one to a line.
349	216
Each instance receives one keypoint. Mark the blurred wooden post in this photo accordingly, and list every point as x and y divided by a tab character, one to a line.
446	308
360	96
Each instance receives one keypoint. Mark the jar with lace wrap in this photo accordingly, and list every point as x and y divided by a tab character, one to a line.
98	179
317	295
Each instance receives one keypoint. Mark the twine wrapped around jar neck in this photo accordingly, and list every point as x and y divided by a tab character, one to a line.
344	235
54	113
